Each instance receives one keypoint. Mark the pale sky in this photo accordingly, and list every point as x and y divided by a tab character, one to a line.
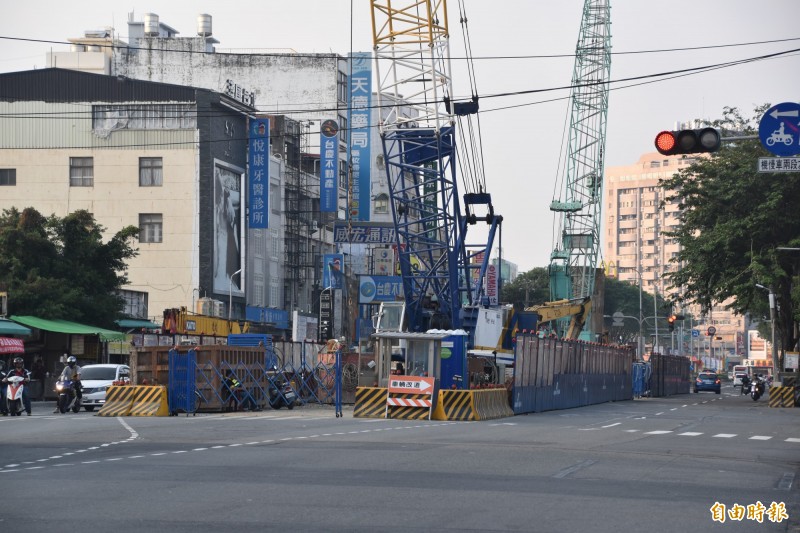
521	144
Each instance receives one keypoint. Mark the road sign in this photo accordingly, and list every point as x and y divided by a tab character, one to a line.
695	333
711	330
778	164
779	129
618	317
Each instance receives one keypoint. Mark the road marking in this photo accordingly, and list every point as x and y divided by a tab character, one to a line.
135	456
791	439
157	454
658	432
199	449
612	425
567	471
691	433
724	435
674	409
661	413
115	459
631	431
786	481
684	405
760	437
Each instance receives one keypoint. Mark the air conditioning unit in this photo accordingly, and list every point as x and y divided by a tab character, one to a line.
218	309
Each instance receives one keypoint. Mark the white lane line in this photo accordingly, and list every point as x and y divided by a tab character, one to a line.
115	459
180	451
217	447
684	405
674	409
691	433
612	425
786	481
792	439
724	435
135	456
567	471
34	467
89	462
250	443
199	449
658	432
760	437
631	431
661	413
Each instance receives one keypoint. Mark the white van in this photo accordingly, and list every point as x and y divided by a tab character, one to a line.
739	371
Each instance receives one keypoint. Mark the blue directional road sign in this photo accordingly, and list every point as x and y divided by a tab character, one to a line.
695	333
779	129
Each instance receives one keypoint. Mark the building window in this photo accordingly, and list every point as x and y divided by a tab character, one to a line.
151	172
81	171
108	118
341	86
382	203
150	227
8	176
135	304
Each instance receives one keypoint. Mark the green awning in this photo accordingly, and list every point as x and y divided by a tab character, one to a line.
130	323
8	327
64	326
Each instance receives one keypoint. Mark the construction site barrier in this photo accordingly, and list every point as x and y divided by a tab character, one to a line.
119	400
781	396
370	402
150	400
491	403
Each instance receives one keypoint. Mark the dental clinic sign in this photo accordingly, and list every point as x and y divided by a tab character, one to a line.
258	173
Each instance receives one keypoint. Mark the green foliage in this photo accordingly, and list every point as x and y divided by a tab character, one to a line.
733	219
59	268
529	288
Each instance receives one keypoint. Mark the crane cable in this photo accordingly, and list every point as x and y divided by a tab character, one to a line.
471	163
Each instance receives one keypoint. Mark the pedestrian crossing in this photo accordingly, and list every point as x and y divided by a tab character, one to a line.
711	435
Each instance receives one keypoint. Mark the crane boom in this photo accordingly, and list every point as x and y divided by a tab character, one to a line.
574	261
417	127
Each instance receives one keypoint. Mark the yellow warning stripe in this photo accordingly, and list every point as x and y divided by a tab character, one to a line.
150	401
781	397
370	402
119	399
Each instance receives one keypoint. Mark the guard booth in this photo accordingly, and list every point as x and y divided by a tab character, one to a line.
408	354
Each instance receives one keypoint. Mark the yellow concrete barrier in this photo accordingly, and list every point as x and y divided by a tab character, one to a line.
150	400
119	399
370	402
781	396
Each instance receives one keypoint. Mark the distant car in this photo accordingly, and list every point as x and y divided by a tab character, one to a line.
96	379
707	381
737	378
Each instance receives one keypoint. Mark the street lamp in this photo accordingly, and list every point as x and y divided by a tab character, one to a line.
772	320
230	292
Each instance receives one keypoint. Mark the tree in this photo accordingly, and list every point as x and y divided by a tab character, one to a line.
529	288
732	220
59	268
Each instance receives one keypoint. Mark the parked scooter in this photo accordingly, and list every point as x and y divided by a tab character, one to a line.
67	397
14	390
286	396
757	388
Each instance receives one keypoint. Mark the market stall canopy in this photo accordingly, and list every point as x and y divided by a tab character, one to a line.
64	326
9	345
8	327
130	323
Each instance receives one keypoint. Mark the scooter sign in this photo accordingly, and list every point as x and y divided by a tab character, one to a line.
779	129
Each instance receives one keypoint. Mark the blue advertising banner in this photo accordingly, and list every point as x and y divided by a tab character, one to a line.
364	233
376	289
329	166
359	145
267	315
333	271
258	173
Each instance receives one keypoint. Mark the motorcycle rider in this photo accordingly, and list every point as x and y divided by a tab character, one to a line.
745	384
3	406
19	370
72	372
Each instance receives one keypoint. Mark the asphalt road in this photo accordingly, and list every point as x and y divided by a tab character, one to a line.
652	465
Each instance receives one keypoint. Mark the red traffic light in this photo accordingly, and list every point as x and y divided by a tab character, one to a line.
688	141
671	319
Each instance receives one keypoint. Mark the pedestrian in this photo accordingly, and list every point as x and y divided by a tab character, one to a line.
3	406
234	394
39	374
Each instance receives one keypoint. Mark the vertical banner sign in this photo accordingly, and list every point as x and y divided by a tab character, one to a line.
325	316
430	190
492	284
258	173
329	166
333	271
359	146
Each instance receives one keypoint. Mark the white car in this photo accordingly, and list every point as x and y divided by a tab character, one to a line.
96	379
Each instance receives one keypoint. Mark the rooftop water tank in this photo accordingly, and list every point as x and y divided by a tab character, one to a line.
204	25
151	24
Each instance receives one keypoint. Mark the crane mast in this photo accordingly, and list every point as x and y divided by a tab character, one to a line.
417	127
574	261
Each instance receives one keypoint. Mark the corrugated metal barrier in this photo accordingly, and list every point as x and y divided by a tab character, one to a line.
670	375
559	374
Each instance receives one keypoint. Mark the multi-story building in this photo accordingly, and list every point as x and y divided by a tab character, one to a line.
308	89
135	153
636	247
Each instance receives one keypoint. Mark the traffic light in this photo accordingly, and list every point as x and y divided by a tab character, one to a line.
688	141
671	321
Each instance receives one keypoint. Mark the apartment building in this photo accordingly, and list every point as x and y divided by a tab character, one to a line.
636	247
